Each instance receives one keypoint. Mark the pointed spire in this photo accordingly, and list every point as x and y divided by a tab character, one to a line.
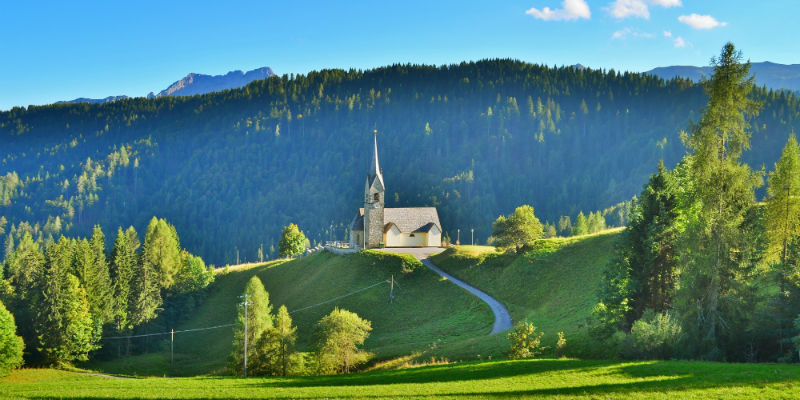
375	168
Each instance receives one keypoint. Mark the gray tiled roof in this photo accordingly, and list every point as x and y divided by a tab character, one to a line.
358	221
412	219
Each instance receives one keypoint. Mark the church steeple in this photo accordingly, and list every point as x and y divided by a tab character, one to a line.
375	168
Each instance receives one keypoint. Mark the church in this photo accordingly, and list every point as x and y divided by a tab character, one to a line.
377	226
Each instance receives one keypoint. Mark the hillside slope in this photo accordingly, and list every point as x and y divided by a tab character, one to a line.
426	312
555	286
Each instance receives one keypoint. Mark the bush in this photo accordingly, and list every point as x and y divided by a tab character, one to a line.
525	342
11	345
654	336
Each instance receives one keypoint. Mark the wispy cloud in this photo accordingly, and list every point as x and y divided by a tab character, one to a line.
698	21
571	10
630	32
679	42
667	34
638	8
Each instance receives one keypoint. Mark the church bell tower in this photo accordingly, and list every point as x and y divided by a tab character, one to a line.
374	196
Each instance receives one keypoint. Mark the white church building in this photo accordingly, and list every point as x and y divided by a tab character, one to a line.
377	226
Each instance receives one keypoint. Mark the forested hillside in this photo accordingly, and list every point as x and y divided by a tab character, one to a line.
230	169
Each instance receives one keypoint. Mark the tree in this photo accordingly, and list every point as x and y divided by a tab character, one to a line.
520	229
64	326
565	226
337	338
193	274
285	335
596	222
123	265
292	241
718	248
581	226
782	218
11	345
255	300
161	251
525	342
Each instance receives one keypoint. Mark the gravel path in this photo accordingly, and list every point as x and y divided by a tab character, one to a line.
502	319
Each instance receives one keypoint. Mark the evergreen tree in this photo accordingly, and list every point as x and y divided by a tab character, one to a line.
565	226
292	241
11	345
581	226
259	320
285	336
161	251
716	267
98	287
123	265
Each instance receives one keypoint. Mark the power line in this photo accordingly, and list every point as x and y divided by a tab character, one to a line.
340	297
228	325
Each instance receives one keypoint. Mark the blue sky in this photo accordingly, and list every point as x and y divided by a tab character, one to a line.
62	50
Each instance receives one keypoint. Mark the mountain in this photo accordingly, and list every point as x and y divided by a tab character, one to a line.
771	75
193	84
93	101
199	83
230	169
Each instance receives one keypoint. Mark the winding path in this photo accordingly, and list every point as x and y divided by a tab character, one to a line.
502	319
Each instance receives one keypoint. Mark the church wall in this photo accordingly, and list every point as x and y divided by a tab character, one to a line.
434	237
394	238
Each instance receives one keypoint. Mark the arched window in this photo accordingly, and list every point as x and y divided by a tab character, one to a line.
377	197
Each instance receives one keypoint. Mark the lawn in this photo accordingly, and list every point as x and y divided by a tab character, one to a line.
546	378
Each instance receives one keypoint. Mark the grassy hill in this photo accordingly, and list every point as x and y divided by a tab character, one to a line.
562	379
427	312
553	286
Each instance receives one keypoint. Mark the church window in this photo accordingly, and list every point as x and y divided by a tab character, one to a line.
410	235
377	197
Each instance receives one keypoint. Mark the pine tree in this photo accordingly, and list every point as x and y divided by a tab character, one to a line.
285	335
99	288
581	226
724	188
161	251
565	226
259	321
123	264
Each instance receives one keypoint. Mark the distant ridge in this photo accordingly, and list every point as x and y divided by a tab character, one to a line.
769	74
194	83
108	99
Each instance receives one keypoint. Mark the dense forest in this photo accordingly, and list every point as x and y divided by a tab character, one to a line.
230	169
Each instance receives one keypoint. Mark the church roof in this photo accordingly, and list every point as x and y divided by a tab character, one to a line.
358	221
412	219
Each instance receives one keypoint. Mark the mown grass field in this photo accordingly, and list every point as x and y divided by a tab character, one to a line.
554	286
426	315
545	378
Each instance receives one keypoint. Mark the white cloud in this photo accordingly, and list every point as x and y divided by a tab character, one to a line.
679	42
572	10
629	32
638	8
667	34
697	21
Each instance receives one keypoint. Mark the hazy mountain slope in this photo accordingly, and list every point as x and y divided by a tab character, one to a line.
771	75
230	169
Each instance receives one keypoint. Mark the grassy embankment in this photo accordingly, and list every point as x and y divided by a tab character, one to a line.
426	312
554	286
562	379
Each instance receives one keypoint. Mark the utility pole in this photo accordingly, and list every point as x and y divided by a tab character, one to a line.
171	347
237	255
245	304
473	236
391	290
458	238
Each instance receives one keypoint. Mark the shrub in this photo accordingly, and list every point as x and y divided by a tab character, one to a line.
11	345
654	336
525	342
